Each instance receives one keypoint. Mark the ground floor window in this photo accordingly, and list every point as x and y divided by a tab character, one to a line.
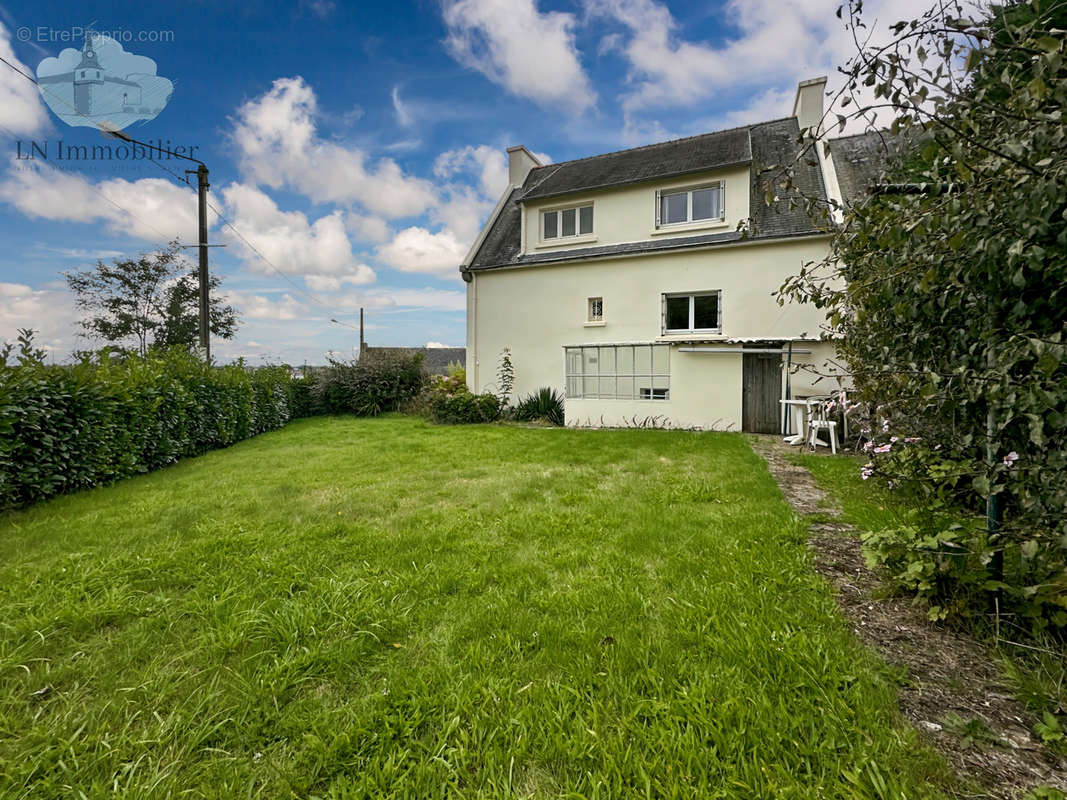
619	372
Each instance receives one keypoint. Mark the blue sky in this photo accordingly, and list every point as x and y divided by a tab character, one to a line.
360	147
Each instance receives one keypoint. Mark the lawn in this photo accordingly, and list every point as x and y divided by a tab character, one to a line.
382	608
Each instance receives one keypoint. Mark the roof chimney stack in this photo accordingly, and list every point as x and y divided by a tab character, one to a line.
808	107
520	162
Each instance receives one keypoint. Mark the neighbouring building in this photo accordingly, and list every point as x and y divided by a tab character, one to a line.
436	360
623	279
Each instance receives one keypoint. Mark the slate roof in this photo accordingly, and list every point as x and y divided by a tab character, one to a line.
667	160
767	146
858	161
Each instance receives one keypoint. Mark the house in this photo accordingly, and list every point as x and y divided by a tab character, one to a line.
625	279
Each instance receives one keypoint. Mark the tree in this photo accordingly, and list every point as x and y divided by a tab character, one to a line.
151	299
948	290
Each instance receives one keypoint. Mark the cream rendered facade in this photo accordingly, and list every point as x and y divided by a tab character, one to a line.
538	311
539	306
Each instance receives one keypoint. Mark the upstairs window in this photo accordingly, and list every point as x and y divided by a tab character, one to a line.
700	204
700	312
566	222
596	309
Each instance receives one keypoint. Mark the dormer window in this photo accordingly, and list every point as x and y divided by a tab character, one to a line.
685	206
561	223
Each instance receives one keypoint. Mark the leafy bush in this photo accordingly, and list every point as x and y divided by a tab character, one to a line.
451	402
64	428
546	404
950	317
375	384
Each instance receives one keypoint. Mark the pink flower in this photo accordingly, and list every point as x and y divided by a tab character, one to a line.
1011	458
912	439
893	440
885	425
885	448
867	446
867	471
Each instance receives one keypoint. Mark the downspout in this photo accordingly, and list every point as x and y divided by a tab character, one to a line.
472	320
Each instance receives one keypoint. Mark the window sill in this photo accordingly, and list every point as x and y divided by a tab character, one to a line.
711	333
564	241
666	230
589	324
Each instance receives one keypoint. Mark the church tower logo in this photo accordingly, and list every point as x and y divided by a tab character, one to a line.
102	85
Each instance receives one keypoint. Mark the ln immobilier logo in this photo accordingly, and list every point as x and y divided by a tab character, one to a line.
102	85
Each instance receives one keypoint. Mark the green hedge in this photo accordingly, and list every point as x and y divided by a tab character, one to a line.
64	428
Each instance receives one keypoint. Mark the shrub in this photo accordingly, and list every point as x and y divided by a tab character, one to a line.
375	384
546	404
64	428
451	402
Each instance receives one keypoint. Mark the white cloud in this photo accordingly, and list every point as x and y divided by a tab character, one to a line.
49	312
404	116
779	42
437	346
489	164
403	299
292	243
416	249
22	112
152	209
260	307
332	283
278	145
530	53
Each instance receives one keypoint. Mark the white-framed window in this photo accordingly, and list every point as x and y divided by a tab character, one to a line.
619	372
561	223
596	309
694	204
693	312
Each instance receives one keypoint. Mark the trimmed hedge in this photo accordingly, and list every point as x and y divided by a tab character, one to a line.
65	428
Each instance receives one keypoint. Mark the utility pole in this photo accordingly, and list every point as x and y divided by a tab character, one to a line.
205	305
202	187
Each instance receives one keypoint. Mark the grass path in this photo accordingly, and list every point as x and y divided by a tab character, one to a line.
381	608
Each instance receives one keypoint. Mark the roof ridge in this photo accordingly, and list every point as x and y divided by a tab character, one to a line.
748	127
879	131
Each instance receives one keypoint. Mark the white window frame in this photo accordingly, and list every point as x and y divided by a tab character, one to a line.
590	304
688	192
692	312
558	211
648	392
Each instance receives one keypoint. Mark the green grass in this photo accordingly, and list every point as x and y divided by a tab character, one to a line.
383	608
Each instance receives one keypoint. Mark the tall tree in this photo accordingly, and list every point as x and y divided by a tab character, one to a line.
153	299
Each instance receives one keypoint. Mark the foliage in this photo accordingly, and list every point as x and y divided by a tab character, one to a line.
382	608
949	293
64	428
155	295
545	404
452	403
379	382
505	377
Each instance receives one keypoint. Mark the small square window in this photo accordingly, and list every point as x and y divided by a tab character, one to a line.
596	309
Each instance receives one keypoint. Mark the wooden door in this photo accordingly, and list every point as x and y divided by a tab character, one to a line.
761	389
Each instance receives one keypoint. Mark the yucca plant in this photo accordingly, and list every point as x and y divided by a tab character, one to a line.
546	404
